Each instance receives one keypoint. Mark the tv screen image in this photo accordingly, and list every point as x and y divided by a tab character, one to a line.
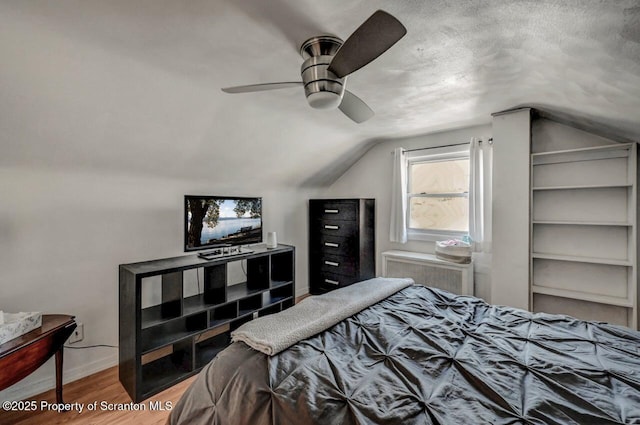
212	221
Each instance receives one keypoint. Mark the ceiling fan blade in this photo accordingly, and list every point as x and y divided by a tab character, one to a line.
370	40
353	107
261	87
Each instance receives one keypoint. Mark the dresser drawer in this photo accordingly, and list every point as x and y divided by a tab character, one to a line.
334	210
325	282
334	245
337	265
334	227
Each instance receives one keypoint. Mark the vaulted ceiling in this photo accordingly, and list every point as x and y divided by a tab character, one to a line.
134	86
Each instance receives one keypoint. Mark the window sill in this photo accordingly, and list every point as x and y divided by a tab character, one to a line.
433	236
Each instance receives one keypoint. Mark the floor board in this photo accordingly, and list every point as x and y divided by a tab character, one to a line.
102	387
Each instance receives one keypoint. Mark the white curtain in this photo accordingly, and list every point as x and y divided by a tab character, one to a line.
398	231
480	158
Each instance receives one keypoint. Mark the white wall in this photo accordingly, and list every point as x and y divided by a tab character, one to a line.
547	135
370	177
63	235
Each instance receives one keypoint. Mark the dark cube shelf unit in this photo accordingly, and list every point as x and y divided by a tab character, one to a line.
165	343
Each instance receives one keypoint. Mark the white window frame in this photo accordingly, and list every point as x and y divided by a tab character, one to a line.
435	154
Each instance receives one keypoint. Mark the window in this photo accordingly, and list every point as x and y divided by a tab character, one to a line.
438	195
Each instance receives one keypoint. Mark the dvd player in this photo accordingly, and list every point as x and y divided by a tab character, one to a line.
222	252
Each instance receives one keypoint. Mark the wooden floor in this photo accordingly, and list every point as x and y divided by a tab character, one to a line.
103	388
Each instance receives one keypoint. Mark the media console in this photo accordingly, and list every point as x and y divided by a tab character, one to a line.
167	341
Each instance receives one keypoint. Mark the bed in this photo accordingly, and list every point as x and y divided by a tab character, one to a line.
425	356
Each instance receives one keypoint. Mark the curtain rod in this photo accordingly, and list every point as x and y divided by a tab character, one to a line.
490	141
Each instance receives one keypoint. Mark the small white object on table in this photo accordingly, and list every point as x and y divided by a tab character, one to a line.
13	325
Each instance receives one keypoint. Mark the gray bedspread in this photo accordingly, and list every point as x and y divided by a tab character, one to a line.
425	356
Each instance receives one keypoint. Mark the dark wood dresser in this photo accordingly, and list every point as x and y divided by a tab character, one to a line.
341	243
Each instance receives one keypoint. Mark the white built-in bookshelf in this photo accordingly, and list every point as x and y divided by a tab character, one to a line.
584	232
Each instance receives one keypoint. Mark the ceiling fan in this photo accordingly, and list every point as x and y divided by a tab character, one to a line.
328	60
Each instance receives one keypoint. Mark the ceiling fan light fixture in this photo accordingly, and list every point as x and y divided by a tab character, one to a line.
324	100
323	88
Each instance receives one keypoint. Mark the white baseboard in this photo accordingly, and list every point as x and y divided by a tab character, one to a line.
301	292
21	391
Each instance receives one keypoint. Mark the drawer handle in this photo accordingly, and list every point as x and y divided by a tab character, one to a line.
332	263
331	211
331	227
333	282
331	244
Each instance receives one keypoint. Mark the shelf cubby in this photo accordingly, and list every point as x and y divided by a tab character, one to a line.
215	284
275	308
577	295
172	331
605	242
582	309
241	320
282	269
156	315
590	279
171	294
167	370
278	284
165	292
207	347
168	334
287	303
598	204
223	313
258	273
249	304
195	304
614	173
240	290
277	295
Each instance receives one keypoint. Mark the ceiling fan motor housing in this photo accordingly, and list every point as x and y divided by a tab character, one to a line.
324	90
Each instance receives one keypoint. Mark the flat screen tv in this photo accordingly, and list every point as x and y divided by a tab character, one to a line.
214	221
